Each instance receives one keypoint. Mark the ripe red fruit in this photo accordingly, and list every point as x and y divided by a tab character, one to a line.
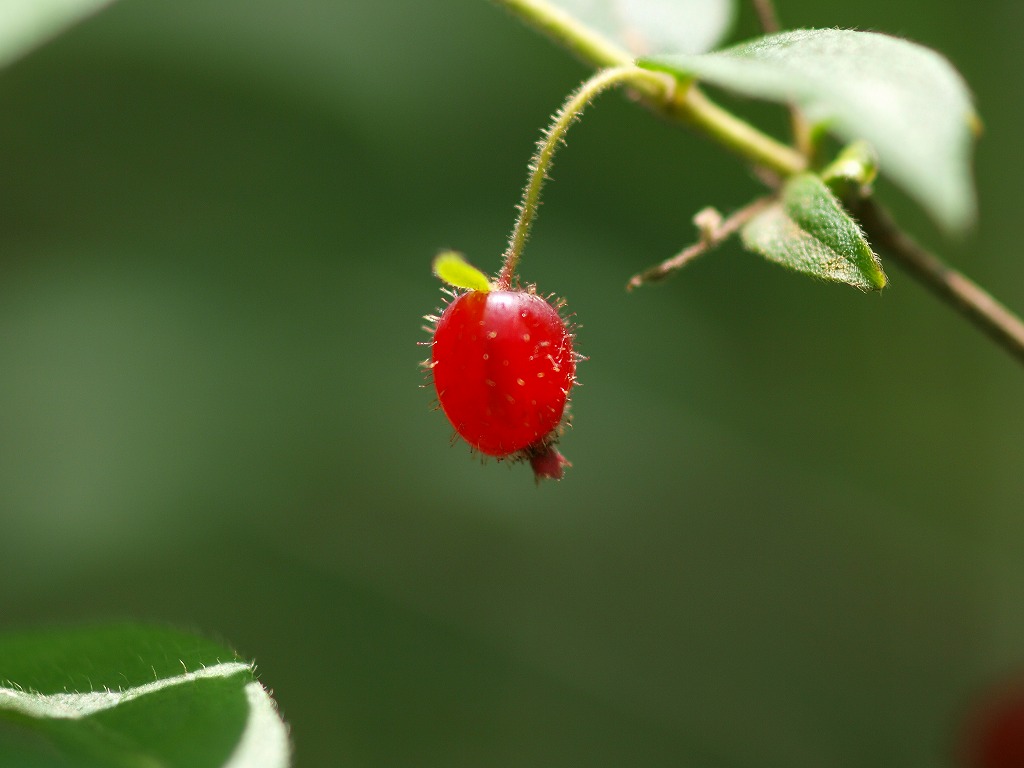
503	365
995	732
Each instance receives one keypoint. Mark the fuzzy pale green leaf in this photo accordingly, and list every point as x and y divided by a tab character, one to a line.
652	27
808	231
906	100
25	24
130	696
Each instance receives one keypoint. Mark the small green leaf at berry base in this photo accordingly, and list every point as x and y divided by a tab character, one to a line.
451	267
808	231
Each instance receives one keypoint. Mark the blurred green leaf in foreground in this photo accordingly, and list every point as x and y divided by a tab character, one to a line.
132	695
25	24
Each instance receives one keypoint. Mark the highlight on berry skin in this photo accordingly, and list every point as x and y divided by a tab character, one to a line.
503	366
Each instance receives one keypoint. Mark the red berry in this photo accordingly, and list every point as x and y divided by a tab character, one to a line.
995	732
503	365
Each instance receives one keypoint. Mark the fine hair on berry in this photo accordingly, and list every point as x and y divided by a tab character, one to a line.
503	366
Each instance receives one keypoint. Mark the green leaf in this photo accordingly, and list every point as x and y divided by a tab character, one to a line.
25	24
652	27
853	171
906	100
810	232
133	696
451	267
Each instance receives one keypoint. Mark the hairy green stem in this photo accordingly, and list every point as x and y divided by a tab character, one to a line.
688	104
553	136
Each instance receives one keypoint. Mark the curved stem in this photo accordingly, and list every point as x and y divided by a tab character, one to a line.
692	106
683	100
765	10
964	295
553	136
688	105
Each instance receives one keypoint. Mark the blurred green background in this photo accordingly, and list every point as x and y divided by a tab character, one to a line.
792	535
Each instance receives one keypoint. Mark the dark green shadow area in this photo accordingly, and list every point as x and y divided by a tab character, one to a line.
790	537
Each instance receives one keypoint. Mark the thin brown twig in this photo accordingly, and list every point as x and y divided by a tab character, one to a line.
974	303
767	16
801	127
714	231
964	295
